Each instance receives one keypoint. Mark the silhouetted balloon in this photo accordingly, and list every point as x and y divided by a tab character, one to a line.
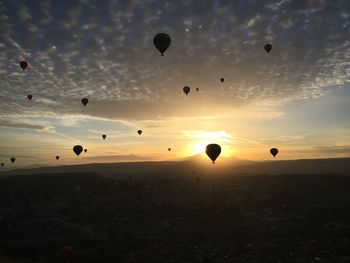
222	80
186	89
274	151
23	64
139	132
162	42
169	149
57	157
84	101
2	164
104	136
85	150
197	89
77	149
67	251
29	97
13	159
268	48
213	151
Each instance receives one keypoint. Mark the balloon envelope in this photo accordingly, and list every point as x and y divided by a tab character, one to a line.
29	97
57	157
222	80
13	159
23	64
162	42
84	101
274	151
169	149
213	151
139	132
197	89
104	136
268	48
85	150
77	149
2	164
186	89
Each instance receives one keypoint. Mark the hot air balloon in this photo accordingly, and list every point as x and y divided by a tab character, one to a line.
77	149
2	164
13	159
67	251
268	48
139	132
186	89
222	80
162	42
274	151
85	150
57	157
104	136
213	151
29	97
23	64
169	149
84	101
197	89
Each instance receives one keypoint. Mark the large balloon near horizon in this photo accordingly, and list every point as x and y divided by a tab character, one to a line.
213	151
268	48
162	42
186	90
13	159
274	151
84	101
23	64
77	149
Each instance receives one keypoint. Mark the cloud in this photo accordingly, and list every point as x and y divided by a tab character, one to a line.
105	52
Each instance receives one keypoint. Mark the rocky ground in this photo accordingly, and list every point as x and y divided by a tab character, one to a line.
188	218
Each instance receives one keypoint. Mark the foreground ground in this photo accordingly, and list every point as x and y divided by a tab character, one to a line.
192	218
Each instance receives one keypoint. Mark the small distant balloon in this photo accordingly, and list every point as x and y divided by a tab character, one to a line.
139	132
57	157
222	80
85	150
197	89
23	64
104	136
67	251
268	48
162	42
186	90
13	159
2	164
213	151
77	149
169	149
29	97
274	151
84	101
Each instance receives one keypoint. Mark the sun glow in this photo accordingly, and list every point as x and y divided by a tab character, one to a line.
202	138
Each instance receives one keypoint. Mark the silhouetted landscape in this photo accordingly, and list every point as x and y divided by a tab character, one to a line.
169	212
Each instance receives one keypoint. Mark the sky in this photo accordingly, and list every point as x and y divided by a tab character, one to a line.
295	98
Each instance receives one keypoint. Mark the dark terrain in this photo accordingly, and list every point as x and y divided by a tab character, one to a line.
192	217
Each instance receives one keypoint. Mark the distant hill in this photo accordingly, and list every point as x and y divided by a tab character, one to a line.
195	165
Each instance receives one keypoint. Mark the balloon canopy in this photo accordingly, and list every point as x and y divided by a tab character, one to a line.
162	42
213	151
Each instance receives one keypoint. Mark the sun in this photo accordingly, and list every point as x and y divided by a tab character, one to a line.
200	140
